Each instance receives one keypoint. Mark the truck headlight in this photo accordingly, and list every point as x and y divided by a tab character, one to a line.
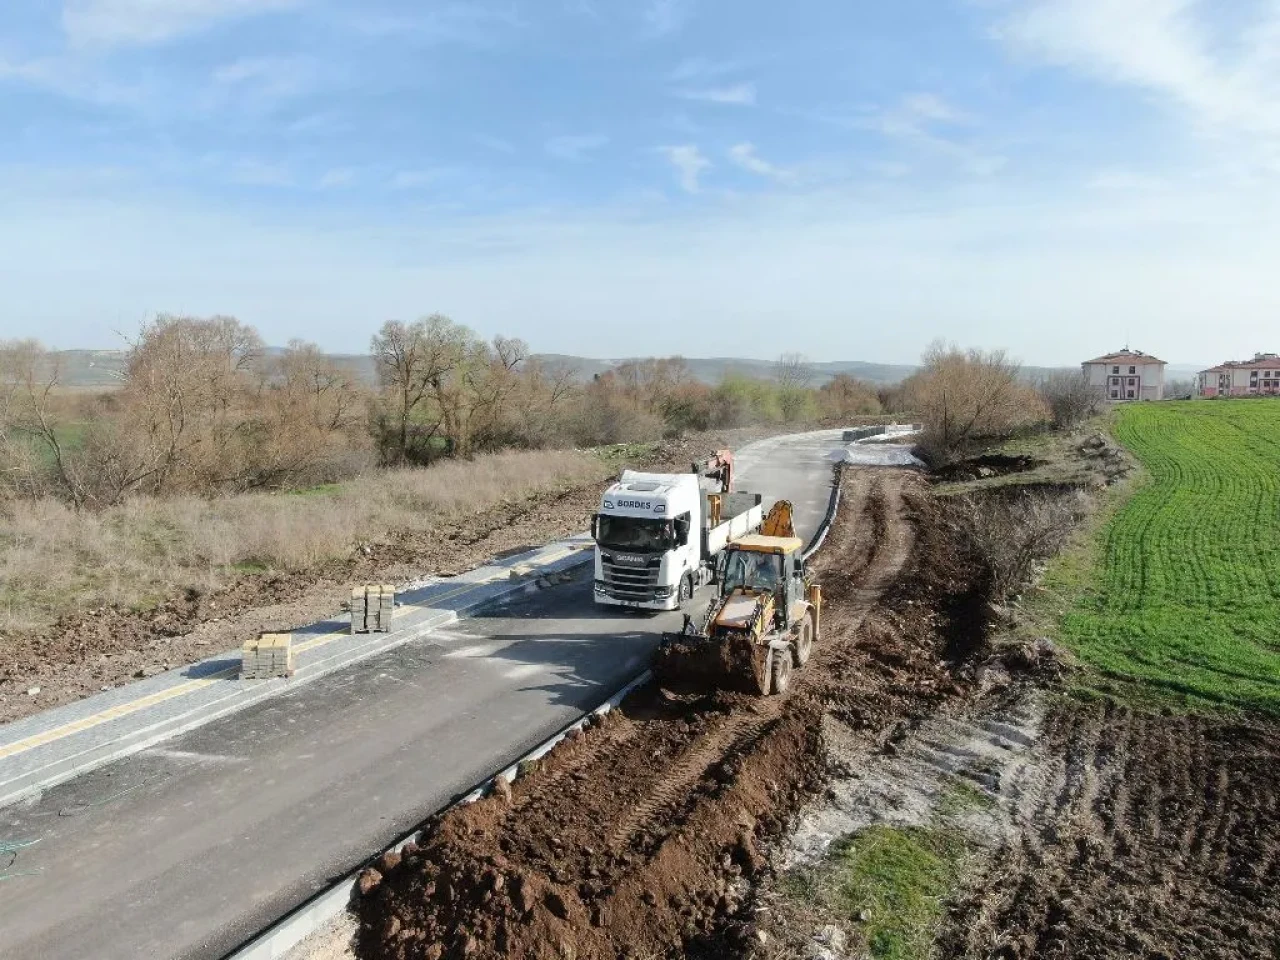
662	593
600	587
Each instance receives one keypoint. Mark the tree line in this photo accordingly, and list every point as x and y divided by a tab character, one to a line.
204	407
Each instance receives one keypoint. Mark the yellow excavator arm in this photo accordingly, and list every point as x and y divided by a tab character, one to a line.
778	522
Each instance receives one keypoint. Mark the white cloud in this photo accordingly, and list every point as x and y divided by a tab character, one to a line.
468	24
263	81
1228	85
575	148
745	156
700	68
256	173
689	162
339	177
663	17
109	23
742	94
410	179
496	144
915	119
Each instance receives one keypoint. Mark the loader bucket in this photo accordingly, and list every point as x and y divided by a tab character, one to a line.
694	662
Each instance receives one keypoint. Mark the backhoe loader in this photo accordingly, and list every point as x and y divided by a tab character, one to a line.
762	622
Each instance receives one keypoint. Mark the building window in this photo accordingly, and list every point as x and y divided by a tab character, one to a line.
1130	394
1115	394
1133	381
1115	369
1133	369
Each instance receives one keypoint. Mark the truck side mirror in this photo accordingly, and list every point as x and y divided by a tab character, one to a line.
682	530
595	527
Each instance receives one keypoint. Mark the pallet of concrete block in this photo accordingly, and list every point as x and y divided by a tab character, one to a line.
372	608
269	656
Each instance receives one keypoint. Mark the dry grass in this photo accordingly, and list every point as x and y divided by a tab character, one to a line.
54	560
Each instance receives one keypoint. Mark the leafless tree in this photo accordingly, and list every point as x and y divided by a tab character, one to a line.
793	370
967	397
1070	397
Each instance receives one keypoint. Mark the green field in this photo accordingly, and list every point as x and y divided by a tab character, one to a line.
1187	597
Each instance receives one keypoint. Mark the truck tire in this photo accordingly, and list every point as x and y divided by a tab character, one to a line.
684	592
802	647
779	674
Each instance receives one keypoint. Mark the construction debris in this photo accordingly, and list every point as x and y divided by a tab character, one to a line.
372	608
269	656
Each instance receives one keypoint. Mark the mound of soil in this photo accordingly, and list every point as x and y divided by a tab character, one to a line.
1159	838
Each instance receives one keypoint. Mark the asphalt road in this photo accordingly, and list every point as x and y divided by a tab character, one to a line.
187	849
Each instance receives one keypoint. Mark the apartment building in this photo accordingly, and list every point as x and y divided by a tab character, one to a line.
1259	377
1126	375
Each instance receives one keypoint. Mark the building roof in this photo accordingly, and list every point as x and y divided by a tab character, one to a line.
1259	361
1126	356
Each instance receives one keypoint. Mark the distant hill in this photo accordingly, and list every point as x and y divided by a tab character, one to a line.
714	369
105	368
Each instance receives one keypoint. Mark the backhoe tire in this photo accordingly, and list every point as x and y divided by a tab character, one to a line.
779	674
802	646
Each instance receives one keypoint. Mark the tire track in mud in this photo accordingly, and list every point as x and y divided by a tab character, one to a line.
636	837
1176	854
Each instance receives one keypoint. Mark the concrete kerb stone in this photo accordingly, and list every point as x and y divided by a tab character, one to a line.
242	695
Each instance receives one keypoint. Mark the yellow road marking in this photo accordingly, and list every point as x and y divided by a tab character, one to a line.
114	713
191	686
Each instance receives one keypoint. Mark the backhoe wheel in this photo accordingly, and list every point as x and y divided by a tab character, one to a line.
685	591
780	674
802	646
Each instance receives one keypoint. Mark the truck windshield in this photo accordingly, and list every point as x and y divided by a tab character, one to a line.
635	533
748	570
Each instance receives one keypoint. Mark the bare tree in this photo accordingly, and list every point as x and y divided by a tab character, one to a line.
30	378
968	397
1070	397
793	370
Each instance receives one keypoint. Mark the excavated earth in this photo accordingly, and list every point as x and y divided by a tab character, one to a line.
1156	836
641	836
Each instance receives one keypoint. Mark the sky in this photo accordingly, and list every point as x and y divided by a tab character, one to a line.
847	179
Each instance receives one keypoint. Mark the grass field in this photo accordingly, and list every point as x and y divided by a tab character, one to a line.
1186	597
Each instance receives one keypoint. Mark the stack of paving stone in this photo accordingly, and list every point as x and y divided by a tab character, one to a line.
271	655
372	608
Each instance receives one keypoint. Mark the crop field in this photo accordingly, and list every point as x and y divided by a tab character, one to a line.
1187	599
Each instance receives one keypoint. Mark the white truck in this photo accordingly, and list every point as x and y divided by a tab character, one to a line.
658	534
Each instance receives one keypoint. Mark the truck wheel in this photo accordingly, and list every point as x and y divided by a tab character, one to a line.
685	592
780	675
802	648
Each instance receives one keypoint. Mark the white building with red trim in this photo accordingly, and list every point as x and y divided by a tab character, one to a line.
1259	377
1126	375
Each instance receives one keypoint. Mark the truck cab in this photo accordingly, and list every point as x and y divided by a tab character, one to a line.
657	536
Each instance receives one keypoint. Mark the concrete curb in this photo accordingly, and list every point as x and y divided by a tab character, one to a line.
240	696
311	917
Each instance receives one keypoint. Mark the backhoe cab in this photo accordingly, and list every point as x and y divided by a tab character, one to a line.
763	620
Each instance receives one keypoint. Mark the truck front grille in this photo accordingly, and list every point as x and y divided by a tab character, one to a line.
631	582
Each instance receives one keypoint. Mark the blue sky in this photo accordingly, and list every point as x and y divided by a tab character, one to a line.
707	177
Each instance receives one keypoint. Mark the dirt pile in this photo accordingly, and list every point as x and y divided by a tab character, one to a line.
1159	838
642	836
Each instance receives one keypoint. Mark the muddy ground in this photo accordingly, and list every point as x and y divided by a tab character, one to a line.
642	837
88	652
1143	835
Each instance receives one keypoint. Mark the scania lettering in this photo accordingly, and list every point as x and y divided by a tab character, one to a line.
658	534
